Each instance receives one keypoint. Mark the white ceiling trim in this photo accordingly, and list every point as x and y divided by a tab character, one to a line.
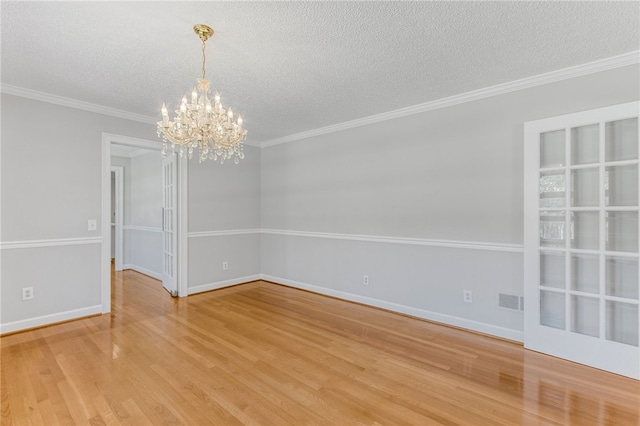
74	103
619	61
85	106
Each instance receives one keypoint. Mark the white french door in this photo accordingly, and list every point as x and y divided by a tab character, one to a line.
582	238
169	224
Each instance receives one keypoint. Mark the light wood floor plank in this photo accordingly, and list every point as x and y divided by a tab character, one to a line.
265	354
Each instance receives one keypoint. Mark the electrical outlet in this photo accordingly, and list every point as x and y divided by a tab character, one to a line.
27	293
365	279
467	296
225	265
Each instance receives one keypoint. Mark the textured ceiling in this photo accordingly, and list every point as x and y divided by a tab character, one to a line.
290	67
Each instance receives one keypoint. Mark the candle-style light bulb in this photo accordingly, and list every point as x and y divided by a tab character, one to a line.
194	96
240	121
165	115
230	114
183	109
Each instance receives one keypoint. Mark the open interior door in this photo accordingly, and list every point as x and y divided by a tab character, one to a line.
582	238
169	224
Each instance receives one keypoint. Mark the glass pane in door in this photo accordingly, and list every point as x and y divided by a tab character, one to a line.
552	152
585	315
585	230
621	140
585	144
622	231
552	229
622	322
553	187
585	275
621	277
585	187
621	185
552	309
552	269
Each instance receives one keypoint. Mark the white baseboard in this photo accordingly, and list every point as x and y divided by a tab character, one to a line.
222	284
468	324
50	319
156	275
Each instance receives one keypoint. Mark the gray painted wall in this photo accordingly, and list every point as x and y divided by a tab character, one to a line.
50	188
125	163
113	215
453	174
143	241
224	215
51	185
142	188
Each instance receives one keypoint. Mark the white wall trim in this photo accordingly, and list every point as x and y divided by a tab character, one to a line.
472	245
142	228
50	319
224	233
11	245
221	284
619	61
74	103
468	324
128	140
149	272
125	152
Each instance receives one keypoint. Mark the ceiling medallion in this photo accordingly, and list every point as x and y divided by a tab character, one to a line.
203	123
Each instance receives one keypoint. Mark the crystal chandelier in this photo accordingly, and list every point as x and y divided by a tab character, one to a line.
203	123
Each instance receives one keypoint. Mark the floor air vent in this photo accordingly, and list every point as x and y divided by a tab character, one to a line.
511	301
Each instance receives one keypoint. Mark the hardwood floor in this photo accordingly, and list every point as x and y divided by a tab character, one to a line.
265	354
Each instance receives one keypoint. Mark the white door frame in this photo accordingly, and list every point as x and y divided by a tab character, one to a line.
119	228
107	140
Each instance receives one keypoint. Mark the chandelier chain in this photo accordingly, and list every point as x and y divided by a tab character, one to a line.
204	61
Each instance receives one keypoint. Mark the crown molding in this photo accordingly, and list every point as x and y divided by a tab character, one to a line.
85	106
74	103
630	58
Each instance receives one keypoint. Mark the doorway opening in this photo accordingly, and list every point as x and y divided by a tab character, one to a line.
170	232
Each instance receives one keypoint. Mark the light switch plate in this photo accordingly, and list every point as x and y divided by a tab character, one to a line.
92	225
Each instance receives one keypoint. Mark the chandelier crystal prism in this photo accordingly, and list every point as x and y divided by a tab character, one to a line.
203	123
